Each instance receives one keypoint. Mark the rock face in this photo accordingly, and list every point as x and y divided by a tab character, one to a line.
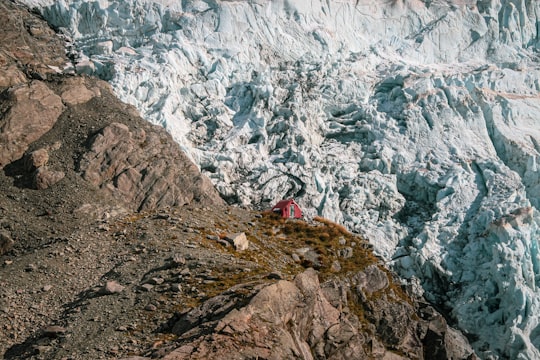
308	320
32	110
145	170
413	122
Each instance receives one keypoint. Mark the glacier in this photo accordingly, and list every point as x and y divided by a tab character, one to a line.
413	122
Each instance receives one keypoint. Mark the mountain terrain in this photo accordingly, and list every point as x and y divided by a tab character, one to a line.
113	245
411	122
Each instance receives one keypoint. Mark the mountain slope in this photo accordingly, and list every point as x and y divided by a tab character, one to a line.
413	122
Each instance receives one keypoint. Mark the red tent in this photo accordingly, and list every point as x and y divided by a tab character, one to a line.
288	209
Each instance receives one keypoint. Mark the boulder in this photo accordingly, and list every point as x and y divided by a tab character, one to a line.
44	178
144	169
75	91
238	240
111	287
6	242
36	159
32	111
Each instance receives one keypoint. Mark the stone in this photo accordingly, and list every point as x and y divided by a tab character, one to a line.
150	307
45	178
238	240
275	276
310	257
6	242
178	260
36	159
46	288
147	287
156	281
224	242
335	267
111	287
53	331
346	253
77	94
30	268
372	279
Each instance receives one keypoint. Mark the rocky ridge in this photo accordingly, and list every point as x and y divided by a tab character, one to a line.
115	246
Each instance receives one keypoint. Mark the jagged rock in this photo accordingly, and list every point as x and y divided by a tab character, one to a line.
75	91
32	111
144	169
6	242
11	75
239	241
301	319
30	47
371	280
45	178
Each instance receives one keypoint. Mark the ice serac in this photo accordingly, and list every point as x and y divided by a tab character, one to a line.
413	122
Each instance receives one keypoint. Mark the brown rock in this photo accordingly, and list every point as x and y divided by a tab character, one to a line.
145	169
6	242
111	287
11	76
45	178
284	320
30	48
36	159
304	320
75	92
372	279
32	111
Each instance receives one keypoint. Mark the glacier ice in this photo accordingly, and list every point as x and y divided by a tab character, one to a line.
414	122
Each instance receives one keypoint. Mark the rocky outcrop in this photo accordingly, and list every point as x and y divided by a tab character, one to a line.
145	169
30	48
55	137
130	161
361	317
30	111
